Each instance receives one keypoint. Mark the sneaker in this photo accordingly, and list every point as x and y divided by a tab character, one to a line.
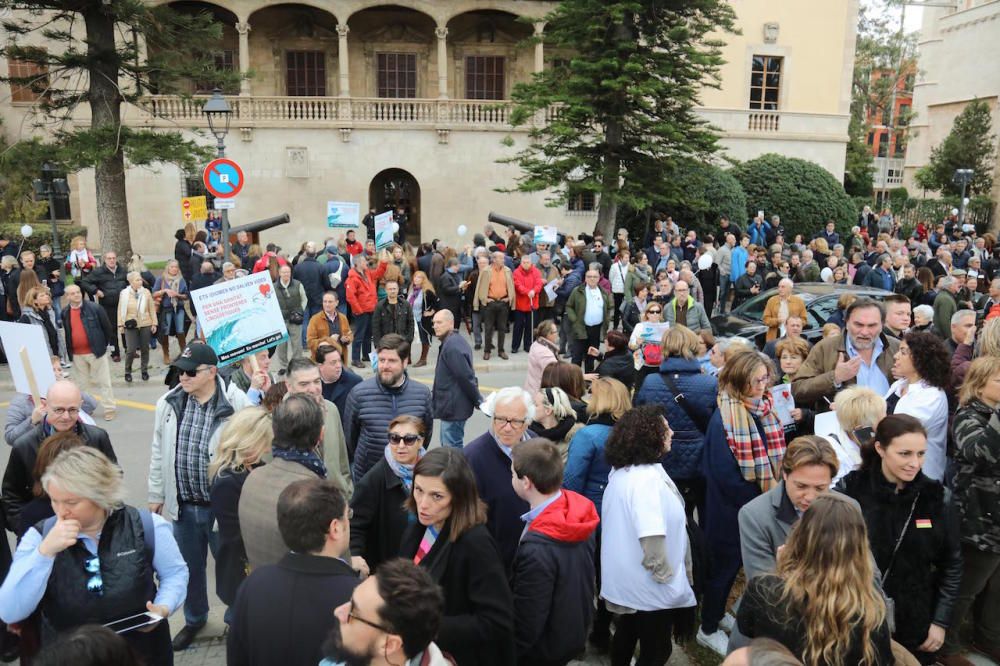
66	365
717	642
727	623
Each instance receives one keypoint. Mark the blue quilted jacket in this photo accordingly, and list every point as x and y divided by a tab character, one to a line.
700	391
586	469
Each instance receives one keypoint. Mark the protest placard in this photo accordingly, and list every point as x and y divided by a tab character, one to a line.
383	230
784	403
548	235
28	358
343	214
240	317
650	332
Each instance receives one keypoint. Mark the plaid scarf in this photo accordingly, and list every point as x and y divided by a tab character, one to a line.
759	460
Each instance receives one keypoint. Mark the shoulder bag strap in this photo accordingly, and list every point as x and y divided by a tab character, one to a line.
899	541
694	414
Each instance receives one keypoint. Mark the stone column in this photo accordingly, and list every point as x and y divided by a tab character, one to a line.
243	29
539	48
442	58
345	70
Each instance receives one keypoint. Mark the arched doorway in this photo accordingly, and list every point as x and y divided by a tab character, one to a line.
392	189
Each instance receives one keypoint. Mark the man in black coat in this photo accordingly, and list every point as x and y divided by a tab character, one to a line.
315	280
105	283
456	388
450	290
338	380
283	611
553	579
63	404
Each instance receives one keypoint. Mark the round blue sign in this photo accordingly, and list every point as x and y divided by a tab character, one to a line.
223	178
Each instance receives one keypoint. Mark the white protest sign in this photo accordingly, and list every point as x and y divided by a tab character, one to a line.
548	235
650	332
784	403
343	214
28	357
550	290
241	316
383	230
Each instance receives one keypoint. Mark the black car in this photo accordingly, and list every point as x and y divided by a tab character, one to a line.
746	321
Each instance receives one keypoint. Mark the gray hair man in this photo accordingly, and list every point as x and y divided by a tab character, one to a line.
511	409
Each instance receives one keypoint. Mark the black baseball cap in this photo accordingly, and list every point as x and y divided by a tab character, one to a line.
194	355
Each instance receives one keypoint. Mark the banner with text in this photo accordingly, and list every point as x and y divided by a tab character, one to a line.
343	214
241	316
383	230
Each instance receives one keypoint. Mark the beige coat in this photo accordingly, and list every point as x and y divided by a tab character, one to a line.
138	305
483	288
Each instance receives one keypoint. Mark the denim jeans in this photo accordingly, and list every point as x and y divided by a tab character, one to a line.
362	336
193	532
453	433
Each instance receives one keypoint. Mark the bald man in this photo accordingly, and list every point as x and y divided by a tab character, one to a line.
456	389
62	404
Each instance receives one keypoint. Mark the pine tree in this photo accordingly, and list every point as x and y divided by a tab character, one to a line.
95	59
622	108
971	144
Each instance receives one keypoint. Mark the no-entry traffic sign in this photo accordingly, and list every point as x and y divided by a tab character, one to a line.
223	178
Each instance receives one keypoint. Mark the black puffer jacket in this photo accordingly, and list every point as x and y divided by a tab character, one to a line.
924	578
108	282
977	480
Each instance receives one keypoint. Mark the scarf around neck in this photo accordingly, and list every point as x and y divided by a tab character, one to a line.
759	459
308	459
404	472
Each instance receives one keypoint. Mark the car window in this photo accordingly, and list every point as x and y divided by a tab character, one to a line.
754	307
822	309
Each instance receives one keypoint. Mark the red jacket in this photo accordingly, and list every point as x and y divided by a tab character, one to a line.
525	281
355	248
261	264
362	291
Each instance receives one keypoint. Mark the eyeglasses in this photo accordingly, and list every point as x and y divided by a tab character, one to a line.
501	422
192	373
64	411
760	380
95	584
409	440
373	625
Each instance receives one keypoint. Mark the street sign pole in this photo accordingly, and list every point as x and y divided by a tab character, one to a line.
221	152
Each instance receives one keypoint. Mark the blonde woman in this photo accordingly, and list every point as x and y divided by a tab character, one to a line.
555	418
858	411
821	604
170	292
137	321
243	444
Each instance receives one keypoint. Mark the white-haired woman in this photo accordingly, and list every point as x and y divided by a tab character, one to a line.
137	321
244	442
94	561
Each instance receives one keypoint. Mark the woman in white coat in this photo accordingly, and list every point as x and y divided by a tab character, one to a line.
923	366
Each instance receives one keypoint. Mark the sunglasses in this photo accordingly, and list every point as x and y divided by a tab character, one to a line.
192	373
409	440
95	584
654	311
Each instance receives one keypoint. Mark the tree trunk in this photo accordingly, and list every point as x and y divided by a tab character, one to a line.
105	109
607	211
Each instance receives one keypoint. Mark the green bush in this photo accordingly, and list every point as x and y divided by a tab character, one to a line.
42	235
804	194
710	192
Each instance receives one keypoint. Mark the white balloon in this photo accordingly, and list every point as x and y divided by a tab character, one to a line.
462	230
965	201
26	230
954	211
395	227
704	261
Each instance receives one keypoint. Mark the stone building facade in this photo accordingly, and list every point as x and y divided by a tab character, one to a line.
407	104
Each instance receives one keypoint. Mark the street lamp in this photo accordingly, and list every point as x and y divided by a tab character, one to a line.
219	115
49	187
962	177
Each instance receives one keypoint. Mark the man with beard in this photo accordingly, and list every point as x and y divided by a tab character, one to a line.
390	619
337	379
282	611
376	401
863	357
909	286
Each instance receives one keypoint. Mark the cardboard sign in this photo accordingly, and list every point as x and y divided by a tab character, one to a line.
343	215
383	230
241	316
548	235
28	357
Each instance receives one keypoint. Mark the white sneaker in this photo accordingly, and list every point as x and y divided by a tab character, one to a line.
727	623
717	642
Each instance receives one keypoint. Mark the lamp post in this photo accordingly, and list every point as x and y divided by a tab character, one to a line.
219	115
962	177
49	187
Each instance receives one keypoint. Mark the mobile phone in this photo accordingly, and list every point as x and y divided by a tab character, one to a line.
133	622
863	435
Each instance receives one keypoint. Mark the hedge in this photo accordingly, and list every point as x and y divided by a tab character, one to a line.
804	194
42	235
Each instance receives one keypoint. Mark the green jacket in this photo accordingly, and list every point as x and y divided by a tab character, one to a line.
576	307
696	318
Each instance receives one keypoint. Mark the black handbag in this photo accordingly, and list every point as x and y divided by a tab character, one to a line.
131	324
296	317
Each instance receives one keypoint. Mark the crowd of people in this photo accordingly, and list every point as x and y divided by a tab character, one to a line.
613	500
